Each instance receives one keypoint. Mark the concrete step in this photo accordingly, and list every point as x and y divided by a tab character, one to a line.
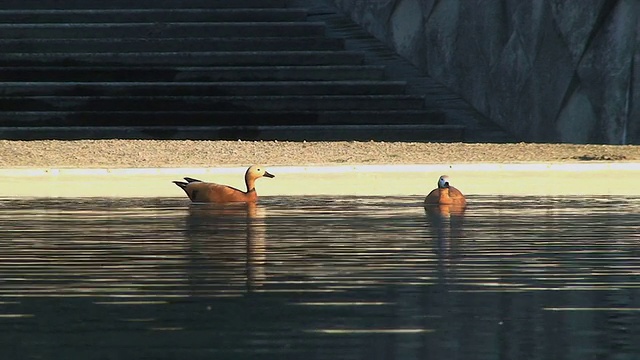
196	69
142	45
203	88
183	73
160	30
217	118
139	4
76	16
387	132
203	58
211	103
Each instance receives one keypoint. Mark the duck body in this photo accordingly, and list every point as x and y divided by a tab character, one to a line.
445	194
201	191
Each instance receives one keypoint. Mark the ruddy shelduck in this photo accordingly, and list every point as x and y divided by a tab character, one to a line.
445	194
200	191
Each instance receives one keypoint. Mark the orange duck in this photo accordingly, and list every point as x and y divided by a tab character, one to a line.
445	194
200	191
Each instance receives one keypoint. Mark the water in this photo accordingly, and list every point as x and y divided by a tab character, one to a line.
320	278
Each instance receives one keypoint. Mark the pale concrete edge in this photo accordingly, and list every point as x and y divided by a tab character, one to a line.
327	169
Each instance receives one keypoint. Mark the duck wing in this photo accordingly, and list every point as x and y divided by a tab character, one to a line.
199	191
433	197
457	196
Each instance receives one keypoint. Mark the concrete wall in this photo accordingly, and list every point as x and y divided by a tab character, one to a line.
546	70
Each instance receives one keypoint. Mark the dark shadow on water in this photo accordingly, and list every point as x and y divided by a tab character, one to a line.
320	278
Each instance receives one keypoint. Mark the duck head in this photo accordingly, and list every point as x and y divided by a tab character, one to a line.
443	182
257	171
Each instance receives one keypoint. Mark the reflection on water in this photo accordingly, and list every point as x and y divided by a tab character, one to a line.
329	278
222	237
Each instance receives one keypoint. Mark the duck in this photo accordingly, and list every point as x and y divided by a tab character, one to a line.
207	192
445	194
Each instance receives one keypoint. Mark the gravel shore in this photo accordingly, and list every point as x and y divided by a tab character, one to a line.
184	153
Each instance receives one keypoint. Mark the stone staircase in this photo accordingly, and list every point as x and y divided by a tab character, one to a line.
195	69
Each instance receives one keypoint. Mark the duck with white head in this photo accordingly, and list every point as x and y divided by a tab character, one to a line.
445	194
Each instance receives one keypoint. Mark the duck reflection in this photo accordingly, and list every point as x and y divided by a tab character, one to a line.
446	216
228	245
446	223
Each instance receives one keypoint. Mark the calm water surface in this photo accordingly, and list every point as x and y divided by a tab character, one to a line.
320	278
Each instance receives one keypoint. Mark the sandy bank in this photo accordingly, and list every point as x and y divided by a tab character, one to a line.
143	168
168	153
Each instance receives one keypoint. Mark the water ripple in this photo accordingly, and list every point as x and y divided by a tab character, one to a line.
347	277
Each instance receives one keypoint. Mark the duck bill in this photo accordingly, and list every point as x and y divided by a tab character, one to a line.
266	174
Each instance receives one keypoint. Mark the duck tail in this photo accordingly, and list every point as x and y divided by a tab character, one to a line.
181	184
190	180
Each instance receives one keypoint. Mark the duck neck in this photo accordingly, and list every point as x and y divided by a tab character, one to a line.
251	183
444	193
